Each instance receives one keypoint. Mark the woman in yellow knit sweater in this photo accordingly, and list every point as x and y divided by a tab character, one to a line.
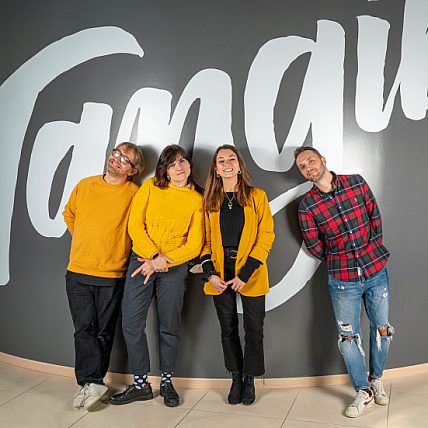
167	230
239	236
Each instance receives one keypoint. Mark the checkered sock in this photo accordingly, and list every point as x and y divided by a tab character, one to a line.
166	377
140	381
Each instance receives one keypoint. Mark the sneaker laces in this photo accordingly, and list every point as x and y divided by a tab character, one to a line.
377	386
87	390
78	392
361	397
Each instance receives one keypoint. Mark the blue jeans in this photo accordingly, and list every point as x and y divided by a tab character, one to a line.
346	298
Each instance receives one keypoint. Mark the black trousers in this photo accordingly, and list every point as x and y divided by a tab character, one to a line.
251	359
94	310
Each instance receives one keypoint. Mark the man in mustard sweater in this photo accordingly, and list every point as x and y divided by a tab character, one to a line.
97	217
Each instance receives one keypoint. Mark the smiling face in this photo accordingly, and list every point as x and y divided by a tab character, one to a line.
120	165
227	164
179	171
312	166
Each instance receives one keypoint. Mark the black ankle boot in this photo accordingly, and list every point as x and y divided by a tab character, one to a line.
234	396
248	390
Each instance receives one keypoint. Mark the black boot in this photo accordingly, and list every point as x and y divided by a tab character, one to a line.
234	396
248	390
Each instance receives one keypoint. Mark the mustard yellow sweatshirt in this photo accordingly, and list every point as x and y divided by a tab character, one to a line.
97	213
169	221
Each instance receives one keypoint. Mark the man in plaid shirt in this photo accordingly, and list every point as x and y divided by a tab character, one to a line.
341	223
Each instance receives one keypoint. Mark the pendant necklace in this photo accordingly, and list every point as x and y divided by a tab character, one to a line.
230	203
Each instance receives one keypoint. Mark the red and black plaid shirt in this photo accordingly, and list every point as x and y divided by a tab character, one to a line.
344	227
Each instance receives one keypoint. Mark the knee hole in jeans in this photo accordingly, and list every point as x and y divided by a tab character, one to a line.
345	343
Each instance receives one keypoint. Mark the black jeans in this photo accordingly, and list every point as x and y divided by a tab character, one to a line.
251	361
94	310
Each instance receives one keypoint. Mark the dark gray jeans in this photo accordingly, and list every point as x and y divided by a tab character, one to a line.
168	289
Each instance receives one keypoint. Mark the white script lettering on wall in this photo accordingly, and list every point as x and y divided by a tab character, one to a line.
150	112
15	111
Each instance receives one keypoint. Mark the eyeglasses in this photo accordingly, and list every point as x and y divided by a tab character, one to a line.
123	159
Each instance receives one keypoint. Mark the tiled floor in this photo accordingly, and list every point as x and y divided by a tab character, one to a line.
32	399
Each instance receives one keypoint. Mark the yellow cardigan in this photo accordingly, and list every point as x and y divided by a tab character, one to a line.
256	241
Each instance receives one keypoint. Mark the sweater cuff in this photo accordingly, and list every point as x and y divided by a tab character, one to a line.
207	264
248	269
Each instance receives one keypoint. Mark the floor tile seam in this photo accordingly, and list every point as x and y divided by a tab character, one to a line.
182	419
203	396
55	394
14	398
28	388
240	414
411	393
292	404
389	404
333	424
51	394
147	403
39	383
83	416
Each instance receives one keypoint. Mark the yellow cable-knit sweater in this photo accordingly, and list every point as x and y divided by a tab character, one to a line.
169	221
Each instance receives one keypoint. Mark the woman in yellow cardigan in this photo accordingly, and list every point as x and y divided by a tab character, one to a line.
238	237
167	230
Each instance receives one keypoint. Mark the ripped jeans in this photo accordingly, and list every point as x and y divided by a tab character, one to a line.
346	298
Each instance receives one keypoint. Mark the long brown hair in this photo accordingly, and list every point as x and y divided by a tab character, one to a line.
213	195
167	157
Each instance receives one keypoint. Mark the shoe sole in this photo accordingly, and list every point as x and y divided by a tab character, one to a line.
171	405
131	400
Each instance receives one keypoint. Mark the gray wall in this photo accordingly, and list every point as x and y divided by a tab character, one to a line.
268	76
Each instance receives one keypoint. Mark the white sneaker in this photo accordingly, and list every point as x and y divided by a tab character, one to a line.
92	395
363	400
79	396
379	393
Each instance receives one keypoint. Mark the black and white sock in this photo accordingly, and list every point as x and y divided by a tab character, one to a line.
166	377
140	381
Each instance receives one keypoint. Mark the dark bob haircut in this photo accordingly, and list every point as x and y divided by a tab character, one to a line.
167	157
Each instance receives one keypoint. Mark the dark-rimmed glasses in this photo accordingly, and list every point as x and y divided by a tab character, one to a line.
122	158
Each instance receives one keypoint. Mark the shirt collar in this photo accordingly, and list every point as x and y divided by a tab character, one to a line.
337	187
